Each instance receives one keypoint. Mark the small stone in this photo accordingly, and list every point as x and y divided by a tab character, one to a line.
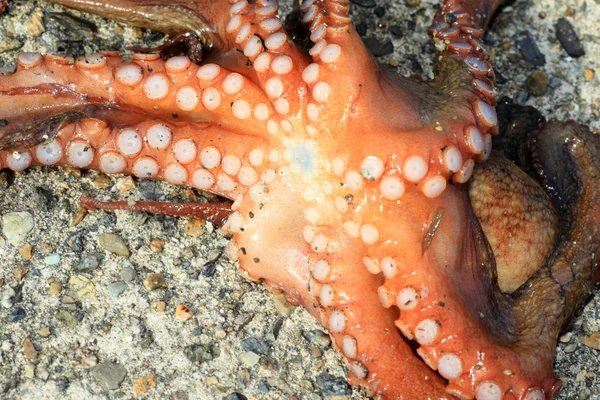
102	182
55	289
529	49
161	306
589	74
256	345
378	48
413	3
114	244
117	288
250	359
65	318
6	297
52	259
109	375
566	35
25	251
78	216
20	272
154	281
125	184
317	337
89	263
195	228
144	383
592	341
220	334
183	313
179	395
157	245
283	307
16	315
81	287
238	396
128	274
16	226
199	353
333	385
44	332
537	83
29	350
42	373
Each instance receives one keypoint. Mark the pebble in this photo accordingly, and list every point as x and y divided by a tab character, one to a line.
317	337
183	312
25	251
199	353
81	287
128	274
42	373
250	358
333	385
16	315
589	74
109	375
195	228
65	319
89	263
378	48
364	3
157	245
55	289
117	288
235	396
566	35
29	350
44	332
6	297
16	226
20	272
529	49
537	83
114	244
144	383
256	345
180	395
161	306
592	341
155	281
52	259
283	307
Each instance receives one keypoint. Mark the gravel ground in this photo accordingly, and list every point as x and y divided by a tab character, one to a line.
83	320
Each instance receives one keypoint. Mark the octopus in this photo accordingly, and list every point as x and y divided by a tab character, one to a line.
438	266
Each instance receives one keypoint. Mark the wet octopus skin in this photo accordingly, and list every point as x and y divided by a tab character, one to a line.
338	208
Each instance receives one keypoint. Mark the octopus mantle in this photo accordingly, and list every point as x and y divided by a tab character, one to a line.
353	192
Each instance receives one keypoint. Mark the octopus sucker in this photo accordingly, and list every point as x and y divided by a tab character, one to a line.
366	197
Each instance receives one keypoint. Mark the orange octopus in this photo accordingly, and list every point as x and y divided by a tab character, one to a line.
371	200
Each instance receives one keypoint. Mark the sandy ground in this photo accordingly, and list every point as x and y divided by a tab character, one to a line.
91	327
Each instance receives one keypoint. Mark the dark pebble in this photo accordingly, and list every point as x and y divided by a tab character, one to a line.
500	79
364	3
379	11
89	263
209	269
566	35
235	396
277	327
489	39
378	48
396	30
16	315
256	345
529	49
333	385
537	83
199	353
361	28
43	198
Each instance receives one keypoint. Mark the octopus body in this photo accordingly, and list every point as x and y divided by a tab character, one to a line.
369	199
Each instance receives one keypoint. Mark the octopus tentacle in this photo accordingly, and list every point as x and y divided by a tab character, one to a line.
176	88
201	156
